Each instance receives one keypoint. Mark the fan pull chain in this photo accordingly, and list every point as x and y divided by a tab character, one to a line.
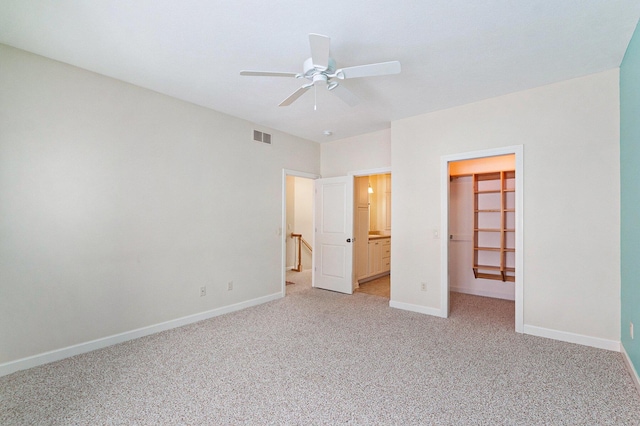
315	98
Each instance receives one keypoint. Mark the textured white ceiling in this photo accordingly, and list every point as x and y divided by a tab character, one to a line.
452	51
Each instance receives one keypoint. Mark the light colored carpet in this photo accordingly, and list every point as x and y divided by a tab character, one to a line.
318	357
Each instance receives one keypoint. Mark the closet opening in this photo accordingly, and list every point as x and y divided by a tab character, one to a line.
482	223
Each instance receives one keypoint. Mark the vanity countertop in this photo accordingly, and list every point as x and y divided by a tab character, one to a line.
377	237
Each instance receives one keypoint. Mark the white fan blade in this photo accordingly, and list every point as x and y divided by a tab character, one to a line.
383	68
346	95
319	50
295	95
268	73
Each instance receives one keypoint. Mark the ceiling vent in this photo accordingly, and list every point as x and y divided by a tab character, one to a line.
259	136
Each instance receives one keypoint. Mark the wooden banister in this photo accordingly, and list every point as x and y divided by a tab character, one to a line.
299	241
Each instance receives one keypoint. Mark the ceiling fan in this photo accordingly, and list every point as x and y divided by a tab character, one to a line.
320	69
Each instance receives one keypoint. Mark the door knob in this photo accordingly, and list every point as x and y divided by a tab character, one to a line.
348	240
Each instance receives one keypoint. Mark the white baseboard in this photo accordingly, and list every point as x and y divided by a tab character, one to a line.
580	339
477	292
69	351
632	371
417	308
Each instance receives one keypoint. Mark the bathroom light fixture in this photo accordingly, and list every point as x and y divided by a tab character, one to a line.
370	189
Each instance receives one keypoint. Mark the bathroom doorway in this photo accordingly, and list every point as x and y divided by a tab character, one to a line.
372	232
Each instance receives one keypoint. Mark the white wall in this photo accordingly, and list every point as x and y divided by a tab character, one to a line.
364	152
570	134
117	204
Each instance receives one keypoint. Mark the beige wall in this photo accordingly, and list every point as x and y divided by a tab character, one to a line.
570	134
117	204
364	152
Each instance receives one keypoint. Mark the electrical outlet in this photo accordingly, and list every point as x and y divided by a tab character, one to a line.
203	291
423	286
631	329
230	286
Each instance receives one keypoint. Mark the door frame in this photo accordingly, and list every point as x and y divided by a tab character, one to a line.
518	151
283	226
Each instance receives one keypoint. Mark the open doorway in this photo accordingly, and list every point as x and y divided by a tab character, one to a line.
372	232
482	233
482	226
297	259
299	223
482	216
332	213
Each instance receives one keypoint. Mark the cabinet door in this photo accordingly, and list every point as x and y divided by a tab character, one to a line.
361	192
385	253
374	257
372	245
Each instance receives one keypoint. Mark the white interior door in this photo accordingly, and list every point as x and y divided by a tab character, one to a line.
333	247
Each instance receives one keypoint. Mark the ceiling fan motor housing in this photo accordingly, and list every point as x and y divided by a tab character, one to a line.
311	70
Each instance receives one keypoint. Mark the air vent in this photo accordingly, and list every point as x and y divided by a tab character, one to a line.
258	136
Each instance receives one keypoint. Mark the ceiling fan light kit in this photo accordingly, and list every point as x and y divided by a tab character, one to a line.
320	69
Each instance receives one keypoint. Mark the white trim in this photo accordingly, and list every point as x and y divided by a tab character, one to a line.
416	308
289	172
518	150
632	371
444	236
482	293
81	348
580	339
369	172
283	226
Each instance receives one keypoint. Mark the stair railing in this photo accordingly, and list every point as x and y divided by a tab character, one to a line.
299	242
